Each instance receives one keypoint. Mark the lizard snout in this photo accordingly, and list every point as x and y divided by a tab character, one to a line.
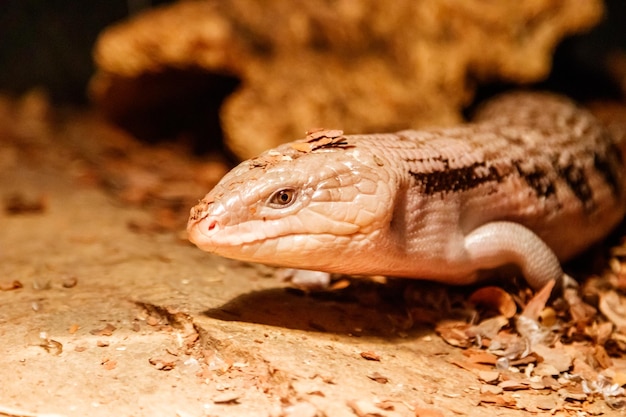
203	223
208	225
202	231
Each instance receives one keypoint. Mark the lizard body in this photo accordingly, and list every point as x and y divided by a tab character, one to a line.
533	181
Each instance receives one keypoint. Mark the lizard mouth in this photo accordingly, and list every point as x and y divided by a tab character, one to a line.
255	246
209	234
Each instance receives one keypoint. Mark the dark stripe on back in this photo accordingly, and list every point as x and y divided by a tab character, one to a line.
455	179
537	179
609	164
576	179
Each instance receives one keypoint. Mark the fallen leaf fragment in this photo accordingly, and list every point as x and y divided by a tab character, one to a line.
12	285
107	330
301	146
490	377
545	402
226	398
375	376
536	304
321	142
602	357
108	364
488	328
21	204
545	369
514	385
572	393
584	370
454	333
580	311
600	332
557	357
370	356
471	366
69	282
480	356
531	358
618	374
613	306
494	299
498	400
386	405
162	364
490	389
550	382
52	346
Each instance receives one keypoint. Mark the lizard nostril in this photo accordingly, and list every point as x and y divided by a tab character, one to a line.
212	225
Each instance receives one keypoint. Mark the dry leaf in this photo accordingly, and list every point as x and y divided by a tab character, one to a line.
490	389
472	367
163	364
454	333
498	400
613	306
514	385
538	302
602	357
11	285
226	398
108	364
580	311
558	357
301	146
480	356
69	282
488	328
370	356
378	378
105	331
494	299
490	377
21	204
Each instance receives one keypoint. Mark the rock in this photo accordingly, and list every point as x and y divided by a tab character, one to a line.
359	66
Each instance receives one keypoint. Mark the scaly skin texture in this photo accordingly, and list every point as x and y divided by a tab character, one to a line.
533	181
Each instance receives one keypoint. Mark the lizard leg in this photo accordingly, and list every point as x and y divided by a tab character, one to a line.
496	244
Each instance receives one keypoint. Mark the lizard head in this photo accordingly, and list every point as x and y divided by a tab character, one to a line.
299	205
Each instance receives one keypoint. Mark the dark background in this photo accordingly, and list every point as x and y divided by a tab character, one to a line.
48	42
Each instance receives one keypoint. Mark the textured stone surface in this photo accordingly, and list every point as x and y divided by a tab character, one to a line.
100	316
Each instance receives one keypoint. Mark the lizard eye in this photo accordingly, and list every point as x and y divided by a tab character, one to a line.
282	198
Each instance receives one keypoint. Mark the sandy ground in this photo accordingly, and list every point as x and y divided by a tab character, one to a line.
105	321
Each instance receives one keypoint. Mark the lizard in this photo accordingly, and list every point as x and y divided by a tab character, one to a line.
532	181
